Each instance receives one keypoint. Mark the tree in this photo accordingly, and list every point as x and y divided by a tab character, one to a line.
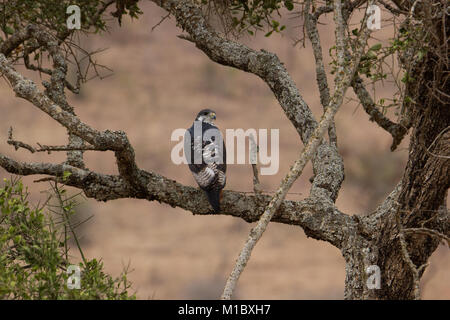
34	251
398	237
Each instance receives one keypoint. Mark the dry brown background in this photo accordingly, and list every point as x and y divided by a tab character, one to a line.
159	84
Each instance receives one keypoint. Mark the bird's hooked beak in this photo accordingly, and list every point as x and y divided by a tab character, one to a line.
213	115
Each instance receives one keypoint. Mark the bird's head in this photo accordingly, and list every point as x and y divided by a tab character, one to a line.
206	115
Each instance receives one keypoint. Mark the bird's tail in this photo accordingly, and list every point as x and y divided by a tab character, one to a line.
214	199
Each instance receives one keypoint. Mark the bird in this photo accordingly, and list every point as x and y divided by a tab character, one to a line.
206	156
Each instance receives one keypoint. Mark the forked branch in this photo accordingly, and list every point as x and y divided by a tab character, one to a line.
342	82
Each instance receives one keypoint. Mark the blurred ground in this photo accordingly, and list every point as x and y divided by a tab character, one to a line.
159	84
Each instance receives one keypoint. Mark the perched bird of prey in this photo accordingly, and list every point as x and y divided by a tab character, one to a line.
206	155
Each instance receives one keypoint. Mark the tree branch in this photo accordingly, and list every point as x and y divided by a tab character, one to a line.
321	221
392	9
397	131
321	76
116	141
44	148
415	271
13	42
428	232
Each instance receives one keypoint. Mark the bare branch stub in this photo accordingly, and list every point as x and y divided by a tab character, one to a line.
18	144
397	130
10	44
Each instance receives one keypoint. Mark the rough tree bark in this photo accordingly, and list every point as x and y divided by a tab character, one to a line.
379	238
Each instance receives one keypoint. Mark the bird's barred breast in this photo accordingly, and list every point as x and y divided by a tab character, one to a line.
204	177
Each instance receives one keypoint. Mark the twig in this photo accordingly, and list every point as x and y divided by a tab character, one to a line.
67	222
186	37
428	232
160	21
44	148
18	144
406	257
54	179
434	141
393	10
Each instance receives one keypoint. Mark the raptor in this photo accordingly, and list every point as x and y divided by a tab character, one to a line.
206	156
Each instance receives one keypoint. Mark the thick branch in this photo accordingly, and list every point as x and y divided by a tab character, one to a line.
55	89
13	42
320	220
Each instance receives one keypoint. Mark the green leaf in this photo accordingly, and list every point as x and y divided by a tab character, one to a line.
66	175
375	47
371	55
408	99
289	5
8	30
420	55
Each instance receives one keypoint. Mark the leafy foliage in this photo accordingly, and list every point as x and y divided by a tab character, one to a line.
126	7
409	45
52	14
34	252
255	15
